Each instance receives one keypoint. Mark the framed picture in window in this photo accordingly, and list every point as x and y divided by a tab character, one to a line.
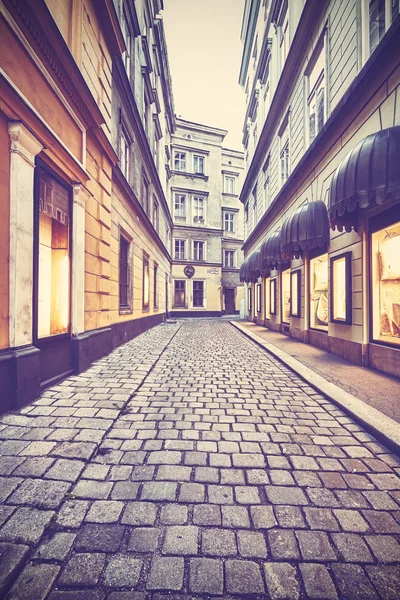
272	297
295	283
341	304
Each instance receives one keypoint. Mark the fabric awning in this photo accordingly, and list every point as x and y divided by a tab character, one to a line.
368	175
271	255
250	269
244	270
305	229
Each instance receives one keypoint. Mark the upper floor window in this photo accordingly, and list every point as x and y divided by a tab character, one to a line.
283	38
198	208
378	15
180	249
155	213
267	197
198	250
229	222
180	161
145	194
180	205
128	38
246	220
124	152
316	96
255	207
229	184
198	165
229	258
284	154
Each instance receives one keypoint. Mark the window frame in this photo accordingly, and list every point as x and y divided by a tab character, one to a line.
284	151
347	282
313	255
229	219
203	252
145	274
155	285
128	306
272	296
177	214
312	93
179	305
230	185
267	294
258	298
365	27
124	162
156	214
197	208
228	251
145	193
249	299
182	243
295	275
201	158
202	281
180	161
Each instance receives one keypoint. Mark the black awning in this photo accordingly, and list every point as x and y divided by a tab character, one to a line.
368	175
244	270
250	269
305	229
271	255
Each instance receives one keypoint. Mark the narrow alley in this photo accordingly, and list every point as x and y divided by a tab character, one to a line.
190	462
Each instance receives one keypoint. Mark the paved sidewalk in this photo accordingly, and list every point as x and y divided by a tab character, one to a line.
189	462
372	387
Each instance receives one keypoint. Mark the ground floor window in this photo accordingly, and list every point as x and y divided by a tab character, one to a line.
385	261
267	298
295	293
258	297
285	296
319	292
272	297
155	287
179	293
198	293
249	298
123	272
146	282
341	289
53	281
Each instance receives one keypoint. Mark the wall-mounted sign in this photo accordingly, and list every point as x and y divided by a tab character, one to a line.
189	271
214	271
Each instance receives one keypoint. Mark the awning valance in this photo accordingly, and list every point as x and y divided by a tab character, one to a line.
250	269
305	229
271	255
244	270
368	175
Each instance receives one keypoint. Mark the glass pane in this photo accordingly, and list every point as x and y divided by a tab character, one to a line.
386	284
319	292
267	298
54	259
295	308
286	296
376	23
339	291
272	307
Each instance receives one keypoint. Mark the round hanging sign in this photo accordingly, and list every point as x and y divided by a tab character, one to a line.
189	271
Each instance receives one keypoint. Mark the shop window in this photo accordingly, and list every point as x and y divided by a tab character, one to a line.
146	282
295	279
258	297
53	282
249	299
385	259
341	289
123	273
155	287
285	279
272	297
267	298
198	293
319	314
179	293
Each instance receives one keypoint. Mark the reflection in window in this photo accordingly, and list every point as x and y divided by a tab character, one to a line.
54	257
319	292
386	284
286	296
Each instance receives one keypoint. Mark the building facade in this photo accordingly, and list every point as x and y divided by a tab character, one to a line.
322	188
208	222
86	111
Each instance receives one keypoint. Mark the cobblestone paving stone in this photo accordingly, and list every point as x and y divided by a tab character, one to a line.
189	464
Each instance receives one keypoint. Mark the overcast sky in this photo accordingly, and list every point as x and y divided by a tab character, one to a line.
204	50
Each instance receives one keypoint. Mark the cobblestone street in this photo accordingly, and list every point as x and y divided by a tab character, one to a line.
190	464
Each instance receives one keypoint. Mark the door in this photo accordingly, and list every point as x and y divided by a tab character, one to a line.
229	301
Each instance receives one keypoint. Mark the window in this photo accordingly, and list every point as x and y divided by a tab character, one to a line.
180	249
146	282
229	222
285	279
198	208
255	207
229	184
378	16
155	286
295	293
385	261
180	161
284	154
198	293
272	297
267	198
180	293
229	258
246	220
249	298
284	39
341	289
316	96
198	165
54	256
267	297
145	194
258	297
123	272
124	151
155	213
180	206
198	250
126	32
319	292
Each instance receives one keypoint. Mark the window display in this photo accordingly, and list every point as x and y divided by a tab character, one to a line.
286	296
341	288
249	299
385	245
295	293
272	303
319	292
267	296
259	297
54	257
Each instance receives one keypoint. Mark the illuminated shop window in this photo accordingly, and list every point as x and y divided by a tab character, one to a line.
267	298
295	293
54	257
249	299
146	282
385	259
319	314
259	297
272	297
286	296
341	288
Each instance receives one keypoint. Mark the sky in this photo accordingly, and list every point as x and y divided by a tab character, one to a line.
205	51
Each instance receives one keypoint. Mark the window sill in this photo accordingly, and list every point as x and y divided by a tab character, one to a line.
125	311
146	310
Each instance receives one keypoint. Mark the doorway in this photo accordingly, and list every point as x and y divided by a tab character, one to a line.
229	301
